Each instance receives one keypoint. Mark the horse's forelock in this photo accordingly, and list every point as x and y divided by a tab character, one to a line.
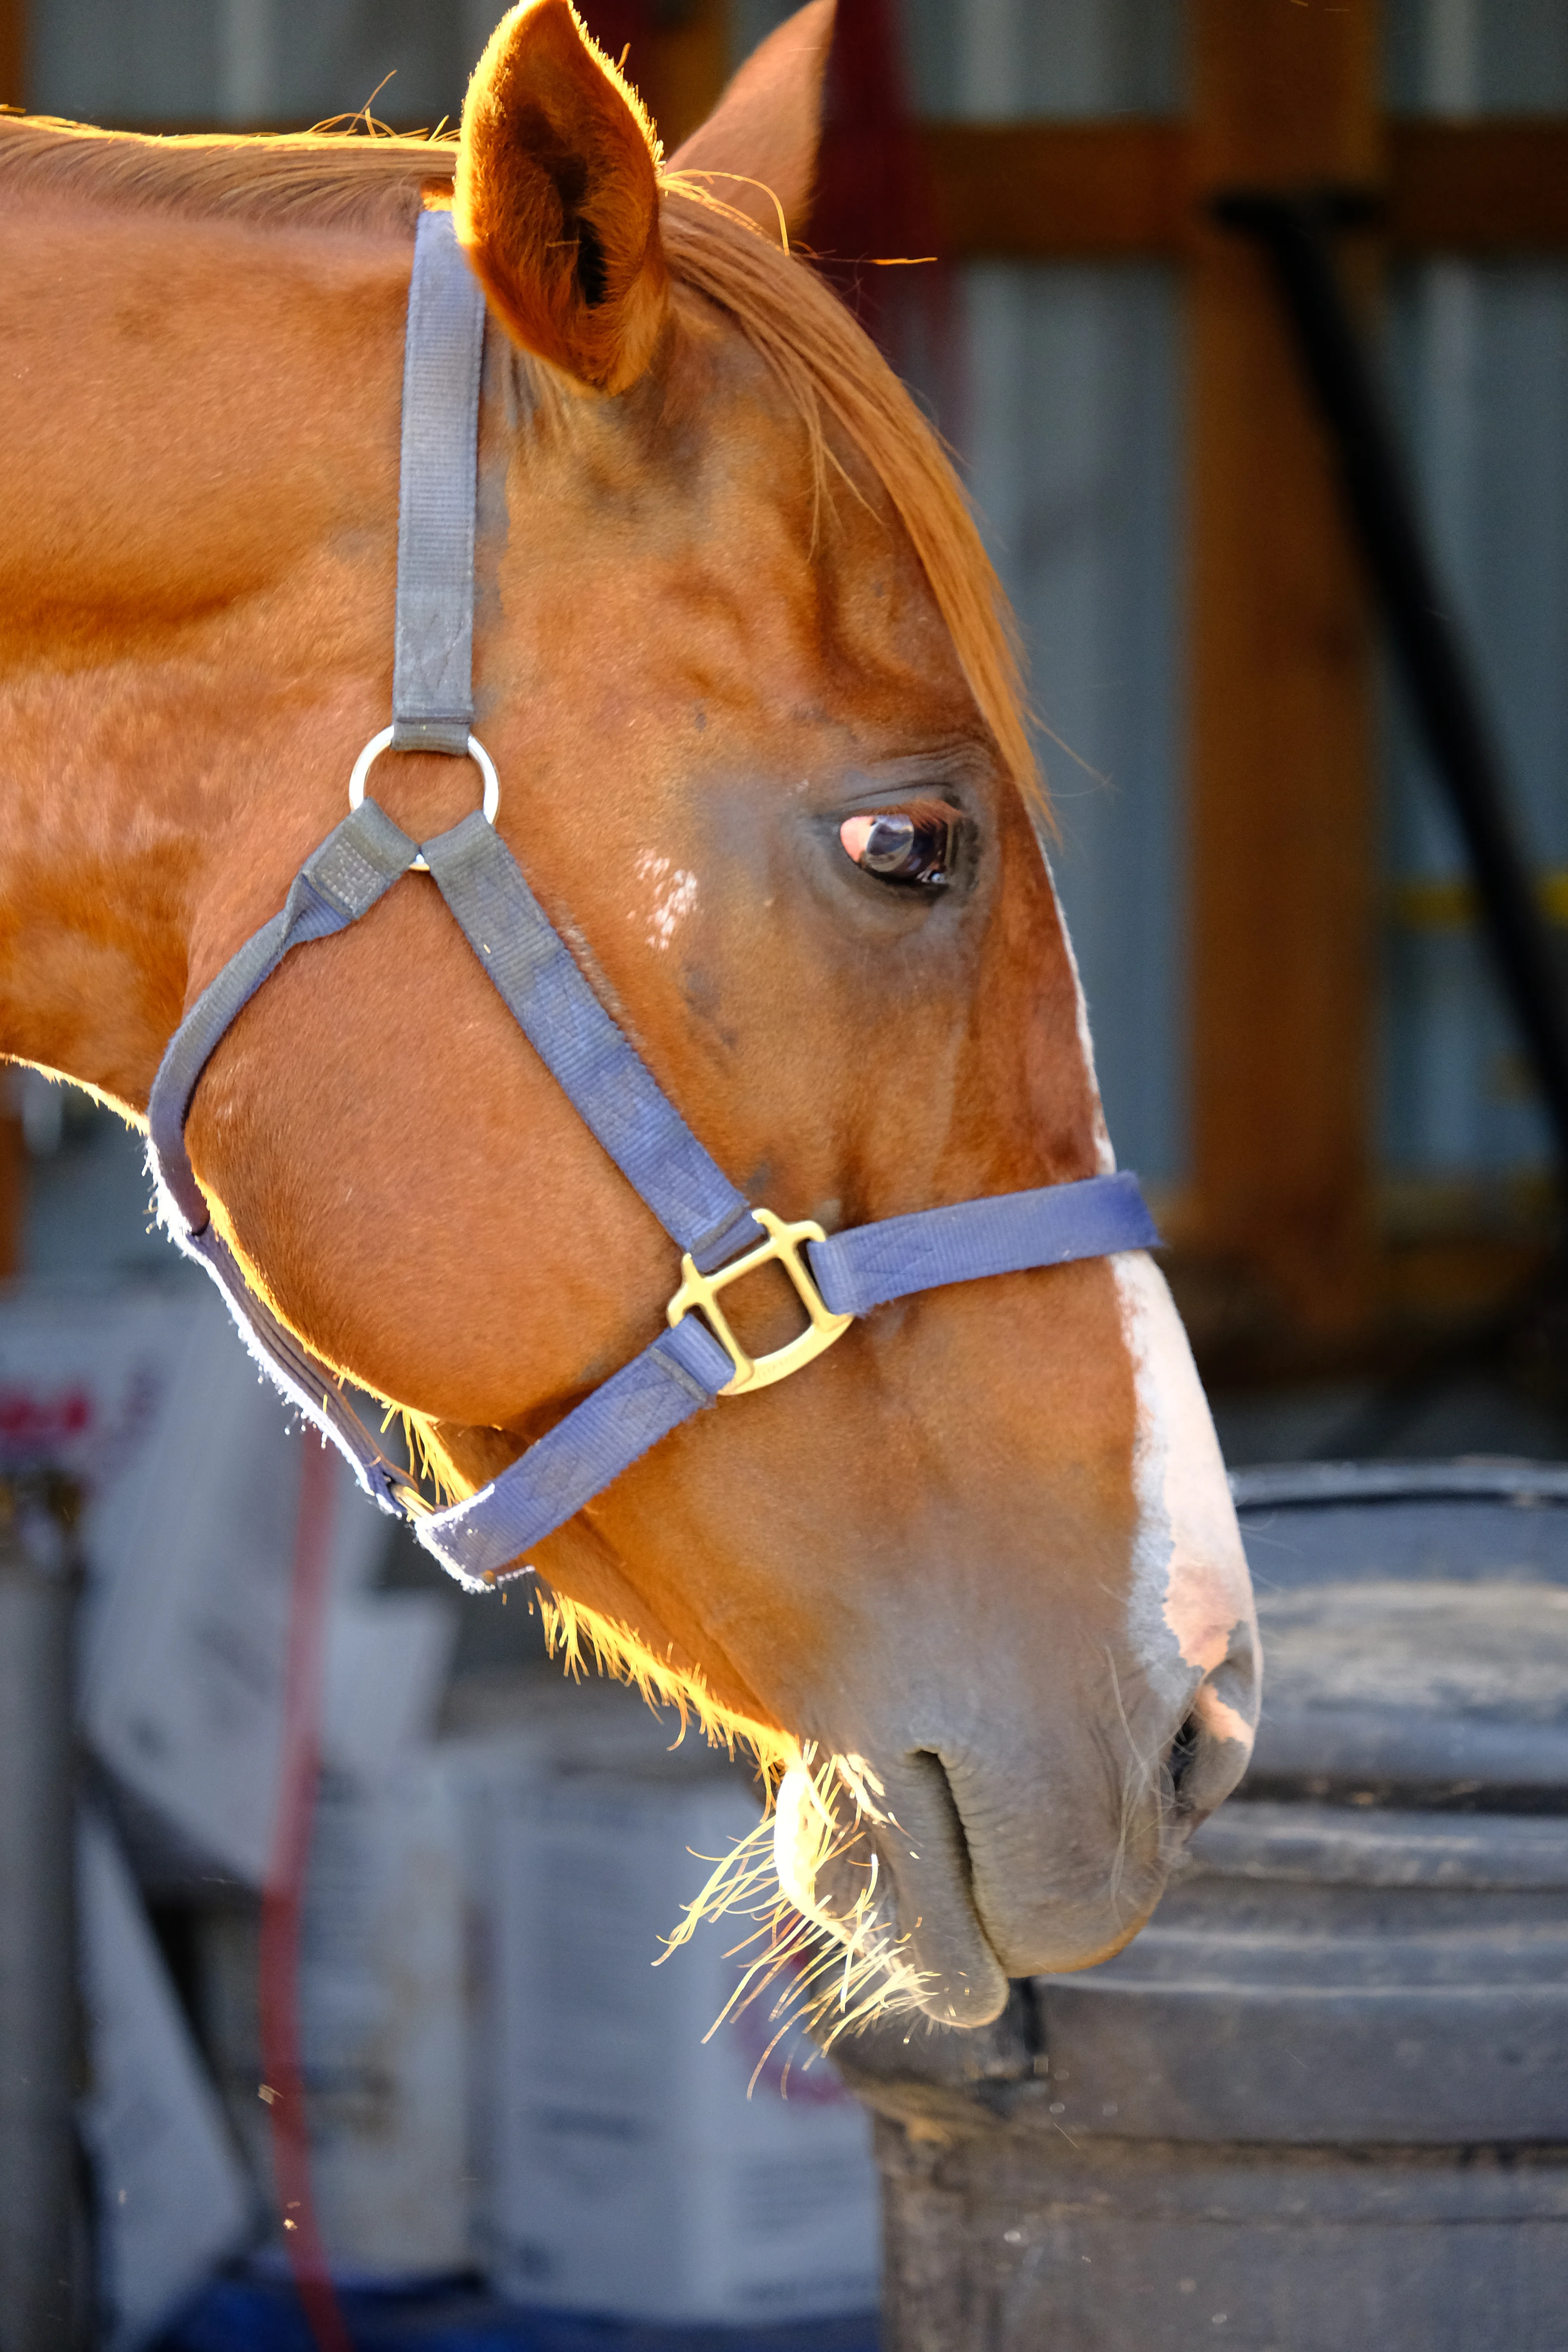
831	369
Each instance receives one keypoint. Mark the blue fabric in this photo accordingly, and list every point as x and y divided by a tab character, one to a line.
856	1271
1007	1234
683	1370
339	882
599	1073
432	677
677	1376
310	1386
355	866
247	2316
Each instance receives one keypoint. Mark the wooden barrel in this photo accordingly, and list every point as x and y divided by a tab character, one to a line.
1322	2103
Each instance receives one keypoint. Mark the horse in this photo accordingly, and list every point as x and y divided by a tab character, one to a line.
970	1585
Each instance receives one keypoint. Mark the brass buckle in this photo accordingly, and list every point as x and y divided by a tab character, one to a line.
782	1245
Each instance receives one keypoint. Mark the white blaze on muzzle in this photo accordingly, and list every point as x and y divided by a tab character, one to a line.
1191	1610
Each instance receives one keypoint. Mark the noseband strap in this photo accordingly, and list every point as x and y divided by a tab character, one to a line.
696	1358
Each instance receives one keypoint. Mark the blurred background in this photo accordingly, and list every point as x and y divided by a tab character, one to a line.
1301	1037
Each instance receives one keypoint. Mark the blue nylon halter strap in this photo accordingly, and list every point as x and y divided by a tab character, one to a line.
685	1367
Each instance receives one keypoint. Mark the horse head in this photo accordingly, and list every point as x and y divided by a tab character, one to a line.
970	1582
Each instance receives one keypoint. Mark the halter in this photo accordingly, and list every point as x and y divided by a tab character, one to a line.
721	1237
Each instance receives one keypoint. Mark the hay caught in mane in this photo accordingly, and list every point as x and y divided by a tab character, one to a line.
830	369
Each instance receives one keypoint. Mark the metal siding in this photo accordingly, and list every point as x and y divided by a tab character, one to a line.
122	60
1008	59
1480	363
172	62
1072	437
1479	360
1070	431
1455	56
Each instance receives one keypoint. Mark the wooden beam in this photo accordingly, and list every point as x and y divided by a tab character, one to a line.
1280	697
13	52
1059	191
1479	188
1118	190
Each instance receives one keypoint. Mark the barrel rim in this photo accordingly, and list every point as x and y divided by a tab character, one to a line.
1295	1484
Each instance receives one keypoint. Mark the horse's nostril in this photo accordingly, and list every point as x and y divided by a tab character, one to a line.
1181	1755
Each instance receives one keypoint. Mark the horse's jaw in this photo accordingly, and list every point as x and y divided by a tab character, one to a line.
886	1888
933	1900
900	1905
1021	1817
843	1846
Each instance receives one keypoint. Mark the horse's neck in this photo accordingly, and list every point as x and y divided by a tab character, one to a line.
197	544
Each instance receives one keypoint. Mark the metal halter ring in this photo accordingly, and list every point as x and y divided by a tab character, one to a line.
784	1247
477	752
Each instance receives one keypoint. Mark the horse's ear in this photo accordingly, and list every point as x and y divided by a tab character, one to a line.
760	140
556	198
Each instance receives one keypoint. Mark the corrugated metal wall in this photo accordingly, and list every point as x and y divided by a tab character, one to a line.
1480	358
172	61
1073	440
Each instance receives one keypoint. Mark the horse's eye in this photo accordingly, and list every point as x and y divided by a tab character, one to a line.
907	845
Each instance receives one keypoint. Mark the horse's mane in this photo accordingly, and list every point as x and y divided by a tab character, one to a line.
829	367
326	179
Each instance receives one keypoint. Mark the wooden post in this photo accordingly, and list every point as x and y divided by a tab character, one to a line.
13	52
677	54
1282	829
688	65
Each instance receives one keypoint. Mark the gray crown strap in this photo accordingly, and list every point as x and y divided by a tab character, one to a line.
432	678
